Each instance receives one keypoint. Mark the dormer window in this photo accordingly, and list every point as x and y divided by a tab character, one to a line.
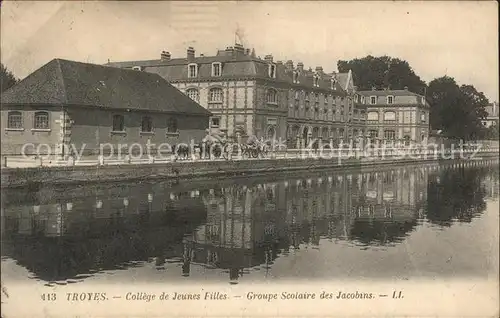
390	99
272	70
423	100
316	81
296	77
216	69
373	100
137	68
192	70
333	82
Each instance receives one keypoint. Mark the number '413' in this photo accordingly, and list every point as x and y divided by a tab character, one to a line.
49	297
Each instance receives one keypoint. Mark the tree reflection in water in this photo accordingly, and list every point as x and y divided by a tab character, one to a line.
456	195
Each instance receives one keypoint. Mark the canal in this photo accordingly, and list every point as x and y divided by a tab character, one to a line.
399	223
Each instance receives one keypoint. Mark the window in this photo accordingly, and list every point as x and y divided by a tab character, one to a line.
15	120
41	120
193	94
423	100
389	135
373	100
216	69
325	99
422	117
272	70
389	116
316	81
137	68
362	99
296	77
192	70
172	126
373	134
372	116
390	99
356	98
146	124
118	123
306	96
215	122
216	95
297	95
272	96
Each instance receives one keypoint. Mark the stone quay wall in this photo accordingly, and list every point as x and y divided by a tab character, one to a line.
23	177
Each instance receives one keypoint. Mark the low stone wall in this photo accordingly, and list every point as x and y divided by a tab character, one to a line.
22	177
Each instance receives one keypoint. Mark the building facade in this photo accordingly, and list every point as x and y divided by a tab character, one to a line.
493	115
395	115
248	95
68	106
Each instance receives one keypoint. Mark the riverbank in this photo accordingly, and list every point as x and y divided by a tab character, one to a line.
22	177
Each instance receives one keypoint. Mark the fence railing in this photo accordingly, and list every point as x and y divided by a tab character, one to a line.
381	153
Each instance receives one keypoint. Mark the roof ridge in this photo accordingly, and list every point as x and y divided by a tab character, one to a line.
61	75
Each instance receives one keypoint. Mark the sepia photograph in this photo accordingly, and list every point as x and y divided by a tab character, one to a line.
249	159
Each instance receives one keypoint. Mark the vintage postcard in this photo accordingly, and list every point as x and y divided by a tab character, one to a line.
249	159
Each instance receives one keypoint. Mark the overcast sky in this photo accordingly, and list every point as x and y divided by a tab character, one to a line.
459	39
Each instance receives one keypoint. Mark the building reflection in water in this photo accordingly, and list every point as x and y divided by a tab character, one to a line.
234	227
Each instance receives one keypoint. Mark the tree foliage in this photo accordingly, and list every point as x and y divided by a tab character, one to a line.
456	110
7	79
382	72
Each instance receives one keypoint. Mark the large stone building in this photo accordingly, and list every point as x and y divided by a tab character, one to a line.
83	106
395	115
248	95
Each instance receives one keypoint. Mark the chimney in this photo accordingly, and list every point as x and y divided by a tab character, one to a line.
289	65
319	69
229	50
268	58
238	48
300	66
190	53
406	88
165	56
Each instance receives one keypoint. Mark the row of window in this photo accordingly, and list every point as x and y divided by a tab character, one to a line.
41	121
193	70
390	135
373	99
15	120
146	124
216	95
389	116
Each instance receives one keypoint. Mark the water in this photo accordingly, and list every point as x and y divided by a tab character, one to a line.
423	221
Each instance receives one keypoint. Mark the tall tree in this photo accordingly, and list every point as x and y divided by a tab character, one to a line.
382	72
456	110
7	79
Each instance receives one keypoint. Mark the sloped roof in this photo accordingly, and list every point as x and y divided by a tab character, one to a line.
342	78
233	66
63	82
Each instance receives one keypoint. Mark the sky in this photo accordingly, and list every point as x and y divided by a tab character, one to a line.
458	39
